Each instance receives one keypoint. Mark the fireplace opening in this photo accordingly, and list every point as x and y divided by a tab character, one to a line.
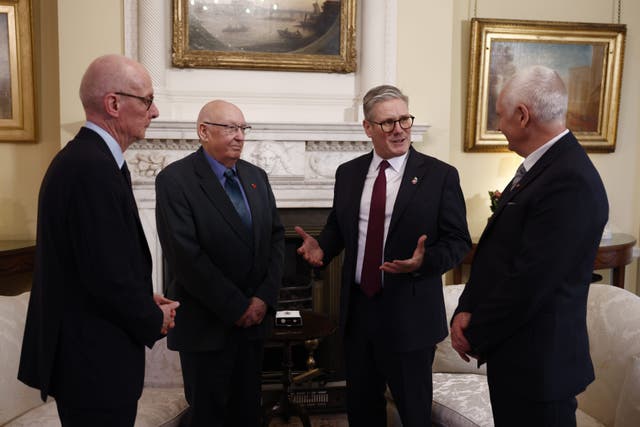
306	288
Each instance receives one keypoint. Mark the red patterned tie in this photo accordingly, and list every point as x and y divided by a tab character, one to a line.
371	278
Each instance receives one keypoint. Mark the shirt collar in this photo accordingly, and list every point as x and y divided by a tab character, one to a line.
115	149
532	158
395	162
217	167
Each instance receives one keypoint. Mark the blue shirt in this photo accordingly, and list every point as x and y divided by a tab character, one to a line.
219	169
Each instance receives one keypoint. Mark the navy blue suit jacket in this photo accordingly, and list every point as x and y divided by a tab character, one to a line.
91	309
529	281
429	202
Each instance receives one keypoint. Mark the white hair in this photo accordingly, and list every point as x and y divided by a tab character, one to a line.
541	89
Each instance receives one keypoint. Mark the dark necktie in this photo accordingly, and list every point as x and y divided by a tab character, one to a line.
518	176
371	278
126	173
232	188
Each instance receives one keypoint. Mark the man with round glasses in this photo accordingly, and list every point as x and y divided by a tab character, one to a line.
400	217
224	246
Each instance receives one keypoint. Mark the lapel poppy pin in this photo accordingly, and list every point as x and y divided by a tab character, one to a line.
253	186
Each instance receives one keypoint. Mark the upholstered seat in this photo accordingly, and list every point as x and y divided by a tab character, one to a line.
461	393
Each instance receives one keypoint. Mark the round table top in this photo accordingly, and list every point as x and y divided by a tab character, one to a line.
314	325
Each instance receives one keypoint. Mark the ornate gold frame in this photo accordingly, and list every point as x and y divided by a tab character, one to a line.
20	126
607	38
184	57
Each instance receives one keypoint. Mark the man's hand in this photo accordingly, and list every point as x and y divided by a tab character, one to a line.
310	250
168	308
407	265
458	340
254	314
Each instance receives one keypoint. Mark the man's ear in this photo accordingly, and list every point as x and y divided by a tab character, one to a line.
111	104
367	128
523	115
201	132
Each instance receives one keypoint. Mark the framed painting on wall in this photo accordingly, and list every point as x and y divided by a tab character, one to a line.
17	104
284	35
588	57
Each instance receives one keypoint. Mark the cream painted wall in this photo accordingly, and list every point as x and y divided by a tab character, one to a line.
22	165
433	44
88	29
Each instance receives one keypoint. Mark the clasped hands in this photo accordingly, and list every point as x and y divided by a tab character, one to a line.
254	314
168	308
311	252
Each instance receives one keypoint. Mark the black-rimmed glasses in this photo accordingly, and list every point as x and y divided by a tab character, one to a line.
148	100
230	129
389	125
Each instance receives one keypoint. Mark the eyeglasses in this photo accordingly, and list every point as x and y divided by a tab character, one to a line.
148	100
389	125
231	129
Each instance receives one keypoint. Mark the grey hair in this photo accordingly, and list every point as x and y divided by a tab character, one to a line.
541	89
379	94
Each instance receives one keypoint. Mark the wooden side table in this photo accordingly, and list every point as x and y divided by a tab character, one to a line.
314	326
16	265
614	253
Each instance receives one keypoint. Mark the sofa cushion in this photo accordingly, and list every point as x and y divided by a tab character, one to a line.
585	420
446	358
15	397
161	407
157	407
41	416
613	316
628	410
162	366
461	400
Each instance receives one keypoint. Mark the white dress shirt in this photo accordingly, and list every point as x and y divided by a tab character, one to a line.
394	176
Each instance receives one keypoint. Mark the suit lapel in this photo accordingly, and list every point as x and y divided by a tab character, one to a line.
217	196
102	146
414	173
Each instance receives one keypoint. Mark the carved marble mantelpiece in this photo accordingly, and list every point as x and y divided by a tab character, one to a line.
300	159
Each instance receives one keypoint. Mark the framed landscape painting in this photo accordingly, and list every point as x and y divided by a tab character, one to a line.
284	35
17	104
588	57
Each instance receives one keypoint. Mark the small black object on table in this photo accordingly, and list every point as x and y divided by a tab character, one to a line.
314	326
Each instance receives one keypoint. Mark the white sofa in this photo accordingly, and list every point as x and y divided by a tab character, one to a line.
461	394
162	402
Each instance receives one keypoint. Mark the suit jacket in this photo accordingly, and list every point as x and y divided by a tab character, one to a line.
91	309
529	281
215	265
429	202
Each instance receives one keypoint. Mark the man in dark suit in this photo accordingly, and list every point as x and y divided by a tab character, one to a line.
400	217
523	310
224	246
92	308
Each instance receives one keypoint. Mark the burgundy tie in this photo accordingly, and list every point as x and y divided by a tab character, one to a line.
371	278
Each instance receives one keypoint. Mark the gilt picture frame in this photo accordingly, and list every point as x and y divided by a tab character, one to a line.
17	103
588	56
287	35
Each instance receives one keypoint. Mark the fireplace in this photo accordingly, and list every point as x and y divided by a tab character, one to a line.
306	288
